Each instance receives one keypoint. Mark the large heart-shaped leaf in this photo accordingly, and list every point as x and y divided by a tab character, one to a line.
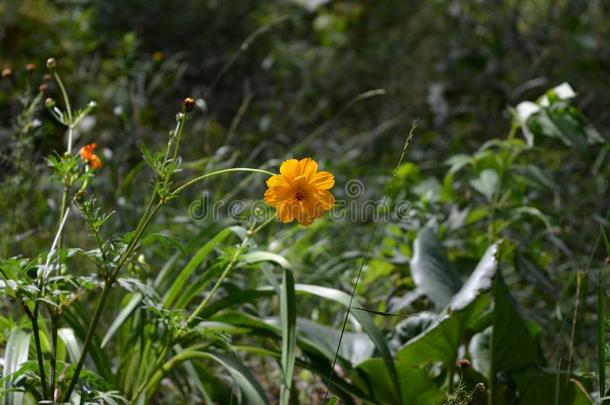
431	270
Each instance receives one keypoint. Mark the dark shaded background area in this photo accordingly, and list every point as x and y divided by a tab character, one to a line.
455	65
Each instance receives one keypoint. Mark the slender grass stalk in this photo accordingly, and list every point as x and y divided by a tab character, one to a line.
579	276
364	259
601	325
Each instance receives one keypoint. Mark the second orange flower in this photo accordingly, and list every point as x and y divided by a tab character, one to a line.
86	153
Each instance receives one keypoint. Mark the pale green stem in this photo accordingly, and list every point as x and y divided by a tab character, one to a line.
205	176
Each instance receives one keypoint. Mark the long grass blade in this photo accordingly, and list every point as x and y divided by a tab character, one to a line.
289	337
16	354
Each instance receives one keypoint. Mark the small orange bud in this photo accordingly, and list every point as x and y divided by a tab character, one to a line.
42	88
6	72
30	67
46	77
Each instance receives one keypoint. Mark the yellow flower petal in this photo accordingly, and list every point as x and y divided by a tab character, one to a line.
323	180
307	167
289	169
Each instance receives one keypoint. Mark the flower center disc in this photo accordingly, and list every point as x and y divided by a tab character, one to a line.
300	196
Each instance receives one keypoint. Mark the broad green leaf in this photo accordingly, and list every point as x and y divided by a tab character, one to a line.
417	386
514	347
539	387
440	341
480	280
487	183
431	270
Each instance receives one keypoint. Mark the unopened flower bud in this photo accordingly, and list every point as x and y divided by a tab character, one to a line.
463	364
92	105
51	63
6	72
49	103
480	387
180	116
46	77
42	88
188	104
30	67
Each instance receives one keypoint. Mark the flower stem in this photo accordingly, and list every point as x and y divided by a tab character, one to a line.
218	283
36	331
211	174
227	270
88	338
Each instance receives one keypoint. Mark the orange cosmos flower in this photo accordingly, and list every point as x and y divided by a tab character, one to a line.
95	162
86	153
300	192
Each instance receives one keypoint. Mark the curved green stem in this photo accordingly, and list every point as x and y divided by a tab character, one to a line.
211	174
218	283
226	271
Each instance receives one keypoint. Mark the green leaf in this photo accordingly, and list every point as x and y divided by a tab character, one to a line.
480	280
288	319
553	116
487	183
417	386
16	353
260	256
539	387
441	340
431	270
125	313
179	284
513	345
69	339
252	391
363	318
